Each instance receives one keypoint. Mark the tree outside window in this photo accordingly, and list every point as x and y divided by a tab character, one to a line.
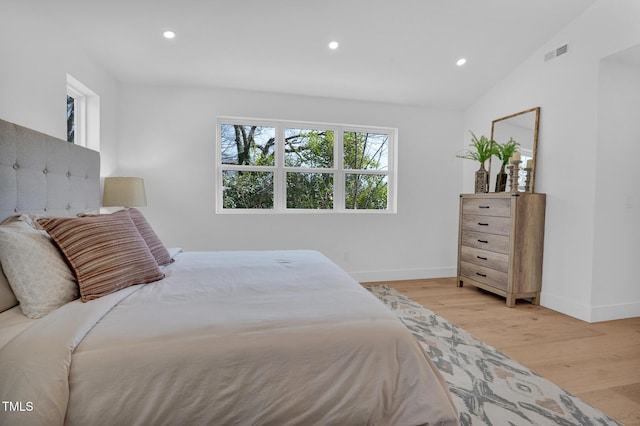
71	120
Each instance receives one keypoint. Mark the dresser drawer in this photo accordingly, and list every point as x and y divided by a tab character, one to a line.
484	275
488	224
487	206
488	259
481	240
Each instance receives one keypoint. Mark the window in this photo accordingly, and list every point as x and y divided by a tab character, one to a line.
278	166
83	115
365	159
75	118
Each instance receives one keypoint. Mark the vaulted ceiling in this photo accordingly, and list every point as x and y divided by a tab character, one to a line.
400	51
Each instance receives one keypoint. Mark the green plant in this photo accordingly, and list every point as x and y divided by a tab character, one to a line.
505	151
484	148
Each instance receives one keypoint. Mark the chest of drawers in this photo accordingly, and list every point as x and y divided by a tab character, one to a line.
500	243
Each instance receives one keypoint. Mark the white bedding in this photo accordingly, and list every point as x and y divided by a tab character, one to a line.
244	338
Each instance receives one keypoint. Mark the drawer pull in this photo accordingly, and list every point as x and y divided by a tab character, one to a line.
481	258
483	224
482	275
483	241
484	207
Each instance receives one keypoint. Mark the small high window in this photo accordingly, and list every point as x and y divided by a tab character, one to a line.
83	115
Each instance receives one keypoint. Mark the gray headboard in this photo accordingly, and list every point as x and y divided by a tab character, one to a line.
45	175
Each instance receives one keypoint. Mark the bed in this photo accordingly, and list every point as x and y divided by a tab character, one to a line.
243	338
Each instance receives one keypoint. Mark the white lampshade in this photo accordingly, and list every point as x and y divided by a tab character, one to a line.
124	192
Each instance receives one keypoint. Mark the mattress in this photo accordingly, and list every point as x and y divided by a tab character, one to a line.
244	338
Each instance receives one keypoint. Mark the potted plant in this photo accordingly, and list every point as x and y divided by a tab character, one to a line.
483	149
504	152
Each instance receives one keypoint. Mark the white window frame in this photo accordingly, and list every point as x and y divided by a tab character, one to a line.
86	114
279	170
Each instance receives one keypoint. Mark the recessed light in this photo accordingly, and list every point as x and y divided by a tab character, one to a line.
333	45
461	62
168	34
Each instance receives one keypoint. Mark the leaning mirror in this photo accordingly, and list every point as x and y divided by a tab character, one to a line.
523	128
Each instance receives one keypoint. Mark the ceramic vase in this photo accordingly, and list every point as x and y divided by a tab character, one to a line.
482	180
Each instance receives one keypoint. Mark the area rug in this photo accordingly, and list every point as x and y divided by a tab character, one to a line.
488	387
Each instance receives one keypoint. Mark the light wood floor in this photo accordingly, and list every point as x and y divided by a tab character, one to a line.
599	363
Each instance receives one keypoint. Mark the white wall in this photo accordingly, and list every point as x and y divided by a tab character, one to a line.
167	136
567	90
617	231
36	57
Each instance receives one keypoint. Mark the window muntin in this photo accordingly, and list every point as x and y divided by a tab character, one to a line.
292	167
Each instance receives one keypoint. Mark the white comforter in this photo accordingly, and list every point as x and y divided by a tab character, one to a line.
242	338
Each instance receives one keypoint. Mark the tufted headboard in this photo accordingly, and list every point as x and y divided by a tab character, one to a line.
45	175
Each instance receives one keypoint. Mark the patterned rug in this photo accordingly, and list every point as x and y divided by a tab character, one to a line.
488	387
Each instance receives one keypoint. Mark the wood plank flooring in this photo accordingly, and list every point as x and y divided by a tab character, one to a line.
600	362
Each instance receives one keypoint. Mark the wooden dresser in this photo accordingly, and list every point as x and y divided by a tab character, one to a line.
500	243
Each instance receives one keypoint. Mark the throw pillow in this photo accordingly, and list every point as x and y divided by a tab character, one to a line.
106	252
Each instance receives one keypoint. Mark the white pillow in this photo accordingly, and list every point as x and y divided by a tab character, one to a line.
35	269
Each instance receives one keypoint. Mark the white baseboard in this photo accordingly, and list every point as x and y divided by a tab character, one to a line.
590	313
402	274
565	306
614	312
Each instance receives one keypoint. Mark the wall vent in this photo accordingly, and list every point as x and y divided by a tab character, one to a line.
556	52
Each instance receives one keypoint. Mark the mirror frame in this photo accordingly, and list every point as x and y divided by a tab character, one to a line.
535	142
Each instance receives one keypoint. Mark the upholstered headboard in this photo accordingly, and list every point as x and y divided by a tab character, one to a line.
45	175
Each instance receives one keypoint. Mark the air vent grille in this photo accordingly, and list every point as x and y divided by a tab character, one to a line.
562	50
556	52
